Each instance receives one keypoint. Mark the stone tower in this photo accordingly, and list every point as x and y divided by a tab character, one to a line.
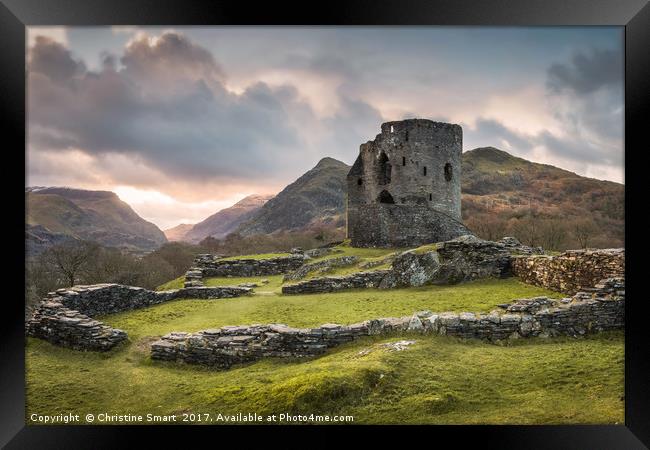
404	187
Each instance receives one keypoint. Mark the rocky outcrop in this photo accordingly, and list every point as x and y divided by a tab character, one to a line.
65	327
602	308
320	267
65	316
572	271
368	279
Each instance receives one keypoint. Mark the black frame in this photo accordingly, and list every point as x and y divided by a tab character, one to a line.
634	15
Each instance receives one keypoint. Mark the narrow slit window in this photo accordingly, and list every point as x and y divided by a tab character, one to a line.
403	160
359	182
448	172
430	197
424	171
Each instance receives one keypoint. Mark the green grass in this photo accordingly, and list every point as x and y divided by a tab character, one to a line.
176	283
273	286
438	380
343	307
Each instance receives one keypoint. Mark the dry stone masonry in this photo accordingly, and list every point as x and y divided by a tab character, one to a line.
572	271
206	265
600	308
65	316
404	187
65	327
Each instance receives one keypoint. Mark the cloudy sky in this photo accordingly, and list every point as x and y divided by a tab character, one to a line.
181	122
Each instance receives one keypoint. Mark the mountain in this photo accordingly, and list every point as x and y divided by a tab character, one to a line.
226	220
315	199
98	216
498	189
178	232
38	239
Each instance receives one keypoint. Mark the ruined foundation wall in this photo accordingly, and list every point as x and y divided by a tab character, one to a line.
586	312
572	271
65	317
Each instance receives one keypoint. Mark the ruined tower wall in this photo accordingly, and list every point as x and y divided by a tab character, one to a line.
404	188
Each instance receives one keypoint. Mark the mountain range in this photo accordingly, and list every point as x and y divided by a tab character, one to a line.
55	214
495	186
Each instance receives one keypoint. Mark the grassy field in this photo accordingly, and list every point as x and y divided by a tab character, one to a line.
438	380
315	309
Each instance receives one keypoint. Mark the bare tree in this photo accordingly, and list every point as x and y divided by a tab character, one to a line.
69	259
487	227
552	233
584	231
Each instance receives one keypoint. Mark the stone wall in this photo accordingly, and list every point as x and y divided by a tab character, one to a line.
356	280
100	299
65	316
206	265
602	308
572	271
62	326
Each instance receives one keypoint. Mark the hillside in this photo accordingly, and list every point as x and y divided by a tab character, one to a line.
226	220
98	216
502	194
178	232
315	199
500	189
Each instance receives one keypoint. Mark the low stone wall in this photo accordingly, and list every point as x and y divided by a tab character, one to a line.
100	299
586	312
572	271
337	283
65	316
249	267
62	326
320	266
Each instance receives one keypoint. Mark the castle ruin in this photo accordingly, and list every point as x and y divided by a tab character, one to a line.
404	187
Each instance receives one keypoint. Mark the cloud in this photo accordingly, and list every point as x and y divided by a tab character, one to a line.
586	73
166	105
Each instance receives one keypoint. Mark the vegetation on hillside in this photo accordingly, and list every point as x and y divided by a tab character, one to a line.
539	204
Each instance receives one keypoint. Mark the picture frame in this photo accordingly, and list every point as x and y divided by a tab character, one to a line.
633	15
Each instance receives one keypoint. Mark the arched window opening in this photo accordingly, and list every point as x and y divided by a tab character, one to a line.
448	172
385	169
385	197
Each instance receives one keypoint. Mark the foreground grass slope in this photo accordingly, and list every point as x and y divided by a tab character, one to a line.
438	380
